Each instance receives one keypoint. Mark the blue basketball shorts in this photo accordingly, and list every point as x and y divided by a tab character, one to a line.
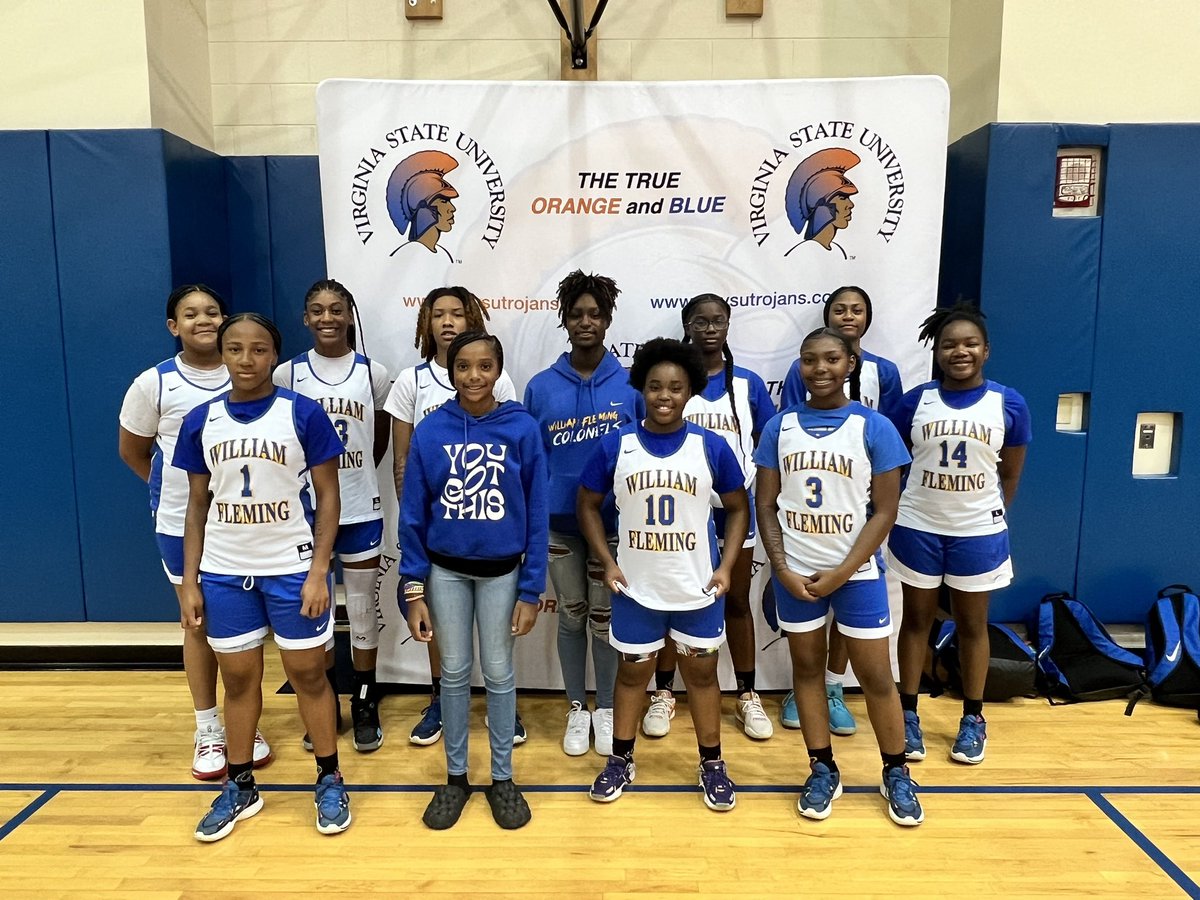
860	608
974	564
638	629
719	523
357	541
239	609
170	548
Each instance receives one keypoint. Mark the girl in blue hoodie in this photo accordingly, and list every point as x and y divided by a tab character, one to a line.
582	397
473	546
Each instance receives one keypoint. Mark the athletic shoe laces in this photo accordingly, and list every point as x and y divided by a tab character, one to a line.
717	783
331	796
900	788
821	784
579	721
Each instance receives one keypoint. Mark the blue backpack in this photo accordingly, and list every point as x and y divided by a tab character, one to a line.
1173	647
1012	668
1077	657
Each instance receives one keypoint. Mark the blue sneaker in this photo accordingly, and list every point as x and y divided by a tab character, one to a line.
429	729
230	807
333	805
618	774
903	805
789	717
914	740
820	790
719	790
519	735
971	741
840	720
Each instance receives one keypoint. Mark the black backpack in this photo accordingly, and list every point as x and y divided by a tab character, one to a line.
1077	658
1173	647
1012	664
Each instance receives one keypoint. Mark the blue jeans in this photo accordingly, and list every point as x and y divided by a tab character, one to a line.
456	602
584	605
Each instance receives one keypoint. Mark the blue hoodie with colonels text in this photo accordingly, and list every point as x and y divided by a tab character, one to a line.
572	415
475	490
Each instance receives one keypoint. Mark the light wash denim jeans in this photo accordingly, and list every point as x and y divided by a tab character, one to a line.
456	603
584	606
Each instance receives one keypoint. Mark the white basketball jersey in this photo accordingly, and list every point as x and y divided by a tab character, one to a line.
825	487
168	485
953	487
664	522
717	416
868	384
433	389
260	518
350	405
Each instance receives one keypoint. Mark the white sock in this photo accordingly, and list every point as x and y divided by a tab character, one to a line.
834	677
206	719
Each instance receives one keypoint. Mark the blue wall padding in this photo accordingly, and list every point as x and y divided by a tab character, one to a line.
297	242
249	235
963	218
113	243
1038	283
197	213
39	567
1140	534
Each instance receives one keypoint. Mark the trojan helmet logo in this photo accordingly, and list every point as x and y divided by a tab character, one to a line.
420	202
818	200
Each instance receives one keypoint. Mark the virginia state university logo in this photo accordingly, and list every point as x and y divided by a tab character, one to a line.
421	203
820	193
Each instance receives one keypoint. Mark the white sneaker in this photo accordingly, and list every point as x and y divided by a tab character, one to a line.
208	758
657	721
577	741
262	750
753	718
602	725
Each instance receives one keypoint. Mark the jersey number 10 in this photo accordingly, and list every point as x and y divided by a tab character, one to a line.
664	506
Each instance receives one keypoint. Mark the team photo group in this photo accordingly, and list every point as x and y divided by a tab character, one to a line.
639	493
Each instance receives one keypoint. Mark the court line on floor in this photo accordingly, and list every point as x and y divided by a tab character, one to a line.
30	808
1146	845
133	787
1092	792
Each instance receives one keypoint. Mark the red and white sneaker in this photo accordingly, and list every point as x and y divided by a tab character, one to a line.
263	753
208	758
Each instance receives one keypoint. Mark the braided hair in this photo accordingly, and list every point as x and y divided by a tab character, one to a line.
687	314
855	379
962	311
575	285
184	289
342	292
257	319
473	310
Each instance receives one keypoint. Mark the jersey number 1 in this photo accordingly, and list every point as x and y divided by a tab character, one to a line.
246	481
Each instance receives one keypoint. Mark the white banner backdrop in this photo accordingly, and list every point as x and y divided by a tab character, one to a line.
769	193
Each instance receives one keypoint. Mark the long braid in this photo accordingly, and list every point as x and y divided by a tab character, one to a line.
686	315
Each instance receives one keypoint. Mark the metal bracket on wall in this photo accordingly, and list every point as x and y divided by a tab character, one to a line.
423	9
578	44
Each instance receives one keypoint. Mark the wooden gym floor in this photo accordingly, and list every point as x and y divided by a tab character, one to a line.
96	801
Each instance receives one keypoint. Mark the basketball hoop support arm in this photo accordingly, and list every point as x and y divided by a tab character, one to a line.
576	35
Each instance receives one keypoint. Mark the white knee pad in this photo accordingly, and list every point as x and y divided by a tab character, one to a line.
362	607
